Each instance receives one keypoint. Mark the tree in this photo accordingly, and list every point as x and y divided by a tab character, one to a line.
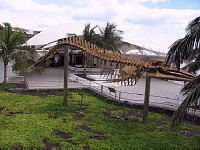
89	33
22	59
9	43
187	50
110	37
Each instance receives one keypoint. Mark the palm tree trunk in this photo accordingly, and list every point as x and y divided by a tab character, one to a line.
5	72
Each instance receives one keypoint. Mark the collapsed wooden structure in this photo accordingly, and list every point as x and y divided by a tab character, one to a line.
129	68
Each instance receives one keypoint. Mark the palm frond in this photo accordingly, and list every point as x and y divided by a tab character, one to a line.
110	36
193	25
10	39
16	39
186	48
192	99
88	33
191	85
193	66
10	42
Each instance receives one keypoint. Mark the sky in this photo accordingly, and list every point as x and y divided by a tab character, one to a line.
154	24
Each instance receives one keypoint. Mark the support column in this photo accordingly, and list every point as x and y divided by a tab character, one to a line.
146	99
66	65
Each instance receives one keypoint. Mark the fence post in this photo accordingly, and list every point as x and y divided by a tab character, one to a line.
66	73
81	104
120	95
89	84
24	82
146	99
101	88
85	65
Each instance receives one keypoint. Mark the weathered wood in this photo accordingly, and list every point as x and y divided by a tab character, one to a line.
131	65
66	65
146	99
85	65
102	66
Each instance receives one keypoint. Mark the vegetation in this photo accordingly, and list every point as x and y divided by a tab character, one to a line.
108	37
89	33
23	59
187	49
10	42
6	86
39	122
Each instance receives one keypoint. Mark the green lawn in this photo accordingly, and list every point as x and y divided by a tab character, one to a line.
35	122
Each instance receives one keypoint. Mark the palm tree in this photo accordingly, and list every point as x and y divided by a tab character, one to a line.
110	37
9	41
89	33
187	50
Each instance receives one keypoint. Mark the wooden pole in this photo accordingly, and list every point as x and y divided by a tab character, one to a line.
146	99
102	65
66	65
84	65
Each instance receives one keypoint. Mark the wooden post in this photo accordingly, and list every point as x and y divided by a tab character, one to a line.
119	96
81	104
101	88
111	70
85	65
66	65
131	80
102	65
146	99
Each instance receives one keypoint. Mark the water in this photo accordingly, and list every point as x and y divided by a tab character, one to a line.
9	70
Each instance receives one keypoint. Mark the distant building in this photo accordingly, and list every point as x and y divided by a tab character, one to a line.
28	33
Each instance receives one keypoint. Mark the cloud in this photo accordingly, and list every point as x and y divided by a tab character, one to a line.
30	5
151	27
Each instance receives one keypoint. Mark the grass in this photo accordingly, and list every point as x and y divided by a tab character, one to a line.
27	120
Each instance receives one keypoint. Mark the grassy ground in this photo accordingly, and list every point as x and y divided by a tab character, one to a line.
35	122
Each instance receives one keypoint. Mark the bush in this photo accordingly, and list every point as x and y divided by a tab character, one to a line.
6	86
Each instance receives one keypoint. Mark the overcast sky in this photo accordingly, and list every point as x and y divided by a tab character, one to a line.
151	23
